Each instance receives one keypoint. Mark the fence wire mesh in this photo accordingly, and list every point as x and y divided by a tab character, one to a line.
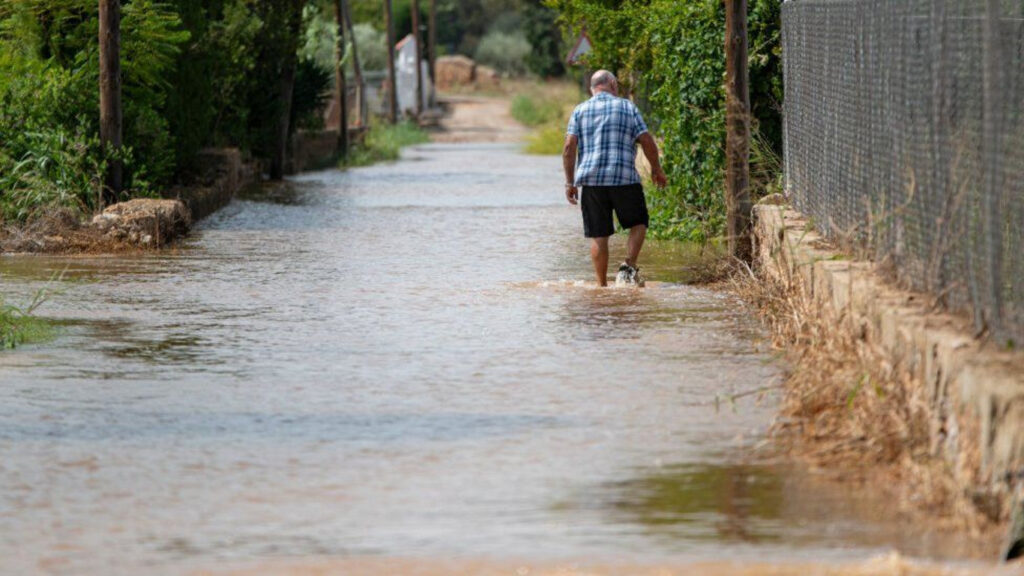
904	132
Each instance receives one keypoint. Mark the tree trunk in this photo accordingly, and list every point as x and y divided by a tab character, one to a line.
110	98
392	89
339	80
285	87
357	69
737	130
419	56
432	51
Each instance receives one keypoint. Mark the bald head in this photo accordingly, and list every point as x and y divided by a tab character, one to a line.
604	81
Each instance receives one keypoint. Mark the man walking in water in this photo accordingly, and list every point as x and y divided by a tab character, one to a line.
602	134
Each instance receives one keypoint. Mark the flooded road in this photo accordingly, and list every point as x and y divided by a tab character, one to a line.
398	361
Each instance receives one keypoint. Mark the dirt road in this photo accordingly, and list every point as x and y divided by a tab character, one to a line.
478	119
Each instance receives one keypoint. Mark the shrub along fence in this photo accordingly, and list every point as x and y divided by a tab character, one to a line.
904	134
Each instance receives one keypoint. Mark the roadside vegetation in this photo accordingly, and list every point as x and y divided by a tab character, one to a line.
383	143
545	107
199	74
845	407
19	325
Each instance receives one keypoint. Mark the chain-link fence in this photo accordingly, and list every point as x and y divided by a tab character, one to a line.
904	132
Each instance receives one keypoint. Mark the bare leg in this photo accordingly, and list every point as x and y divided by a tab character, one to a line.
635	243
599	254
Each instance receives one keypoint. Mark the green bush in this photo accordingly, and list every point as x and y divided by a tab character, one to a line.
312	90
372	45
506	53
548	140
49	99
322	33
207	106
384	142
46	159
533	111
541	30
19	325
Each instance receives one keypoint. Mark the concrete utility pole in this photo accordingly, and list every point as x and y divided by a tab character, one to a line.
339	80
432	51
737	130
357	69
110	97
419	56
389	23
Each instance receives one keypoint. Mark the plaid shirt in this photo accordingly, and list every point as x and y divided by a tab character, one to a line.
607	128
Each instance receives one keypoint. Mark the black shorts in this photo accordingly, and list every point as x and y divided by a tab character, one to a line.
598	202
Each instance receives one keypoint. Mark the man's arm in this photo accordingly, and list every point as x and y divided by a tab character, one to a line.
569	165
650	148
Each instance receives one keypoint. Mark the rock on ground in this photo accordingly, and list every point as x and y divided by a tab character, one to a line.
454	71
136	224
145	222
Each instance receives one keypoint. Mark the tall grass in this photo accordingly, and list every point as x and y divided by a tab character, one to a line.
534	110
545	108
847	405
383	143
19	325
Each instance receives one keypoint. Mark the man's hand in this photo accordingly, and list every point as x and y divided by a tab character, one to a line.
572	194
659	178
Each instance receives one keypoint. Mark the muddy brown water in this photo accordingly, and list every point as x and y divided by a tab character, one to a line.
404	360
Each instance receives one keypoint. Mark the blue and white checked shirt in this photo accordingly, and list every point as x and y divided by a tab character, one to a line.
607	128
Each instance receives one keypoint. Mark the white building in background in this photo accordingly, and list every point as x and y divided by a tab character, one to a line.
405	76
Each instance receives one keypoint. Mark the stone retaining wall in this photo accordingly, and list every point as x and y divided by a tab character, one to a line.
221	173
975	390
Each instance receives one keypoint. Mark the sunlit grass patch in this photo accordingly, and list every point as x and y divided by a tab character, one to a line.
383	143
546	141
545	107
532	110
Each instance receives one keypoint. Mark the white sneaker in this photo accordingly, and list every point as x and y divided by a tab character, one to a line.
628	276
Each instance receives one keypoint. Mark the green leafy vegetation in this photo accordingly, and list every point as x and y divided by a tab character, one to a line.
19	325
194	74
532	110
669	57
546	141
383	143
504	52
49	149
545	108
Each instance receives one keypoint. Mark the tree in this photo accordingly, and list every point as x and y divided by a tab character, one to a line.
541	29
339	74
110	97
276	45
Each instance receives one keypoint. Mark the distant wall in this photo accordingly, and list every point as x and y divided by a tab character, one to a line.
312	150
221	173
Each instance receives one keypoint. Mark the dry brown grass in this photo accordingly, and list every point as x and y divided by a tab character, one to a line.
849	410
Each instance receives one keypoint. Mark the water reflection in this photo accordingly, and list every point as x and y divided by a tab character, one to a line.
731	503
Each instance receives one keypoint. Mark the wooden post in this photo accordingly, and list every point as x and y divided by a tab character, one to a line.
357	69
432	51
291	19
110	97
339	80
737	131
389	23
419	56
